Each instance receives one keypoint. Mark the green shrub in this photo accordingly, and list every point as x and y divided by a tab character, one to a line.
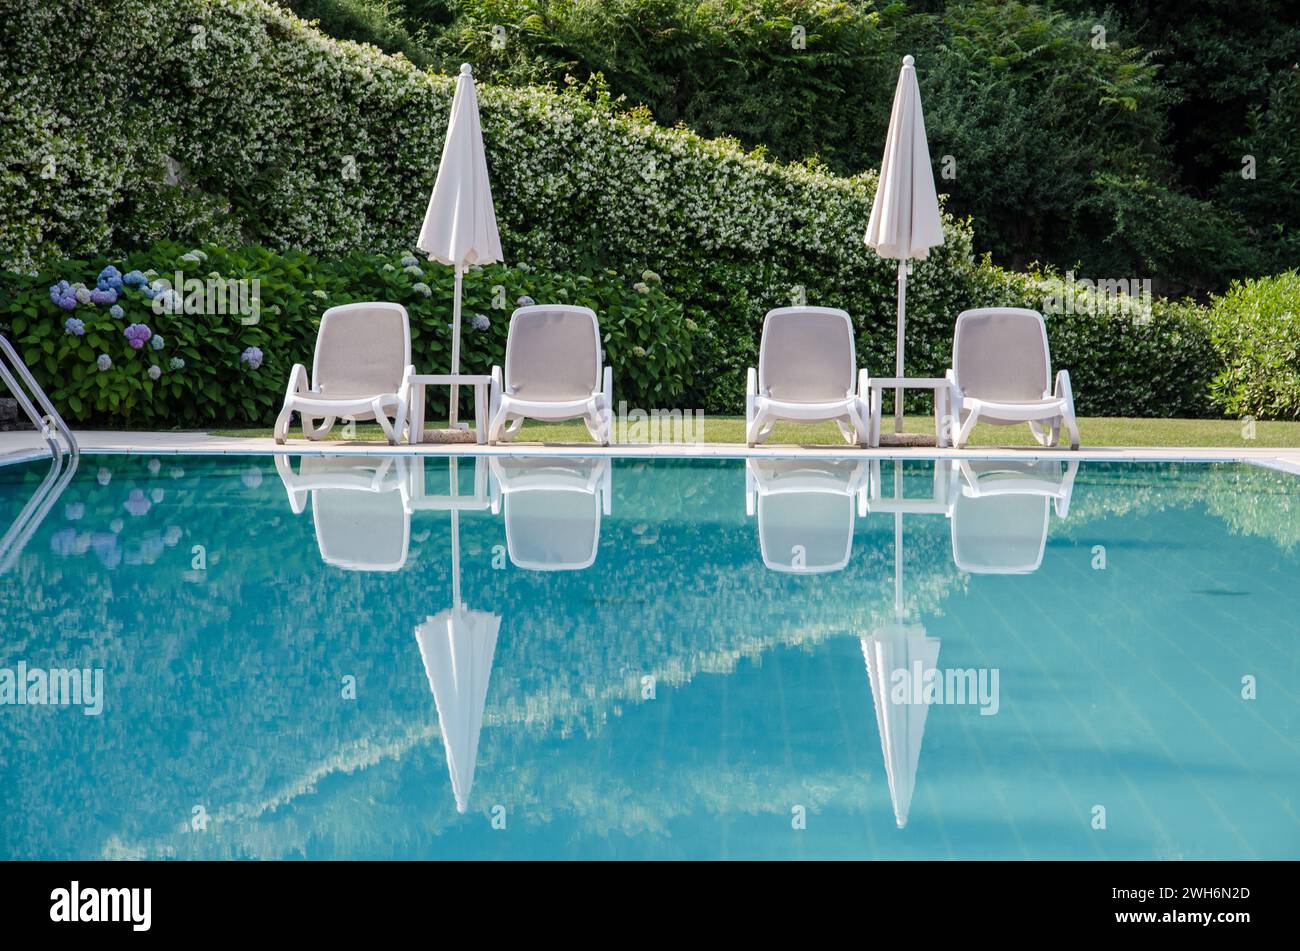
364	21
645	333
343	162
1256	328
1126	357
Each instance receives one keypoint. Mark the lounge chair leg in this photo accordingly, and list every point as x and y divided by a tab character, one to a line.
1072	427
963	434
1040	434
282	423
846	430
310	430
381	417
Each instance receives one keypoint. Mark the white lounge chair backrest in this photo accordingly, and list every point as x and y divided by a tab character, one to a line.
806	355
361	531
360	507
805	511
553	353
552	530
1000	354
553	507
999	534
361	350
805	532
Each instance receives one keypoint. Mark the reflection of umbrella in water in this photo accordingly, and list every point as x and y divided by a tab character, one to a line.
890	649
457	647
901	721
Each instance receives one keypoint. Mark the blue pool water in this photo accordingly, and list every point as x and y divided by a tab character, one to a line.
638	667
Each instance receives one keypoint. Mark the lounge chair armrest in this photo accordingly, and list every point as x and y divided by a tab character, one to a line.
751	382
1063	389
864	382
298	382
404	391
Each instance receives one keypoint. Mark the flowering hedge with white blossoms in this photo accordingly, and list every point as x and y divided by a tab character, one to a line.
231	121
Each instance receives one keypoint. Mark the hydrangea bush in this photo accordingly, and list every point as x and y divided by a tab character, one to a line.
238	123
213	369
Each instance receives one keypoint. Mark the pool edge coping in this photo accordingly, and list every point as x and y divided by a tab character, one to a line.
201	443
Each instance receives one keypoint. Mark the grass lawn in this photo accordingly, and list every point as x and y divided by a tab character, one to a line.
1096	431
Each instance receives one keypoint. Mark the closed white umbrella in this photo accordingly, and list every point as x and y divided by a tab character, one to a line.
897	647
457	647
905	216
460	225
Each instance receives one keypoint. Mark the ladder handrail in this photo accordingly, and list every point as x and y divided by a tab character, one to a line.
42	424
50	427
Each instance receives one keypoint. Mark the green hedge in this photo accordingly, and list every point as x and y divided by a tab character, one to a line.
283	137
1256	328
645	333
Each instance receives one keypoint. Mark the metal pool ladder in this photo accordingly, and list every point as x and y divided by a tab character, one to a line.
64	452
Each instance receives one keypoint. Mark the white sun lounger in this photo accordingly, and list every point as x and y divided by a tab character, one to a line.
1002	374
806	373
553	506
554	371
805	511
361	508
1000	515
360	371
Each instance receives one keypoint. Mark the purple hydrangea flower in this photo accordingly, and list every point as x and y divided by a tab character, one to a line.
137	335
74	326
104	545
480	322
104	362
64	295
102	296
253	357
64	543
524	301
136	503
109	277
82	293
134	279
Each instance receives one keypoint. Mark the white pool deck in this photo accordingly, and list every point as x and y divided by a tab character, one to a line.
25	446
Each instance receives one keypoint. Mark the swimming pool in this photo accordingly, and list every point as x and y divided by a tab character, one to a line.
369	657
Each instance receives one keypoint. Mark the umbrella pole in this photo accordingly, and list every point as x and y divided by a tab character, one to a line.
455	539
898	349
455	347
898	543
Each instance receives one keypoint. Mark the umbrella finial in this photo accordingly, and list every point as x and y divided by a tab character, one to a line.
465	70
907	61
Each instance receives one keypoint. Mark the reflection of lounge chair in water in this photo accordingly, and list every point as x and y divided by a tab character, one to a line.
360	507
553	506
806	510
1000	513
